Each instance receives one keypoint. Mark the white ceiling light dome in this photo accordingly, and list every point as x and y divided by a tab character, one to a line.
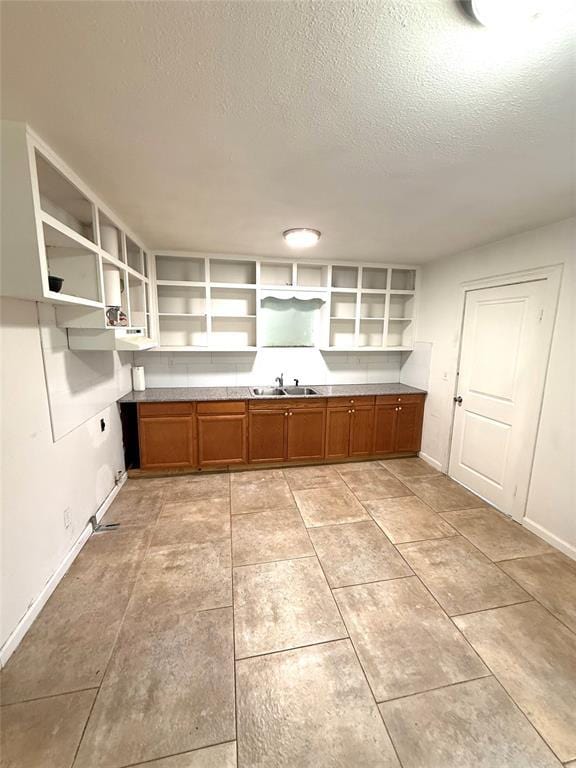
504	13
301	237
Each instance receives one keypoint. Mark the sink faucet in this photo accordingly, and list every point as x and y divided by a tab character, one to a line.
280	380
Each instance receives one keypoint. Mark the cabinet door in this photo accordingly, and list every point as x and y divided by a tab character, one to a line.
267	431
221	440
338	432
409	427
385	417
306	433
166	441
362	431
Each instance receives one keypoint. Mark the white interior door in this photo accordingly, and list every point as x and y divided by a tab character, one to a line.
497	402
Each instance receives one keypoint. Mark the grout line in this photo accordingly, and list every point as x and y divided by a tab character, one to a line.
530	599
293	648
436	688
374	581
49	696
235	682
268	562
177	754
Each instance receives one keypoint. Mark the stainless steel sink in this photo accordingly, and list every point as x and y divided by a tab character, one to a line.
300	391
283	391
268	392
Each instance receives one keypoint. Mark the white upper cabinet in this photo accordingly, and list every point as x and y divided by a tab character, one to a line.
61	244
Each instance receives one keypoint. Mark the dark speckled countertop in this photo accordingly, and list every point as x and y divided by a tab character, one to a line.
199	394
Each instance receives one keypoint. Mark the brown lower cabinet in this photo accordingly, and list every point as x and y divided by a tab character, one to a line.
218	434
286	431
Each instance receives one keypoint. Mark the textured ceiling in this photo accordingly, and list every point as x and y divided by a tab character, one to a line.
401	129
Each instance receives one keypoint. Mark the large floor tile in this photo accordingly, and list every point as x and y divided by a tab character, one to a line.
374	484
356	553
264	489
464	726
460	577
276	534
534	657
283	605
195	521
443	494
300	478
191	577
498	537
551	579
109	556
357	466
44	733
199	486
408	519
219	756
405	642
169	689
69	645
309	708
410	468
327	506
134	508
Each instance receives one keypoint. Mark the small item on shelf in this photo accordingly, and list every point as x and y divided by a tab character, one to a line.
109	239
55	283
115	317
138	380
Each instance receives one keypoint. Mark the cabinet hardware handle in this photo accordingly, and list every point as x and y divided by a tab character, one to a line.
399	399
353	411
286	414
400	408
291	414
351	401
349	411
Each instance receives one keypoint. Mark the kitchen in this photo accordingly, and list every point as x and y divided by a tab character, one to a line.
287	385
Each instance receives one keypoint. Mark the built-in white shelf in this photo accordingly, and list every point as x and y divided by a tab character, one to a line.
210	302
60	229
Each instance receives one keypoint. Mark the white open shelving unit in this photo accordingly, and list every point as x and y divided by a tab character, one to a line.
209	302
60	229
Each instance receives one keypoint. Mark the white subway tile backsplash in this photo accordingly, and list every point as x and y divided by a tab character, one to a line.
180	369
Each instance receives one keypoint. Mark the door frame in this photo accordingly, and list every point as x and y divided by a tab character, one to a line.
552	276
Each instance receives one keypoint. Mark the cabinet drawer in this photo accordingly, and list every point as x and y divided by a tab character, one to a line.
389	399
221	406
340	401
284	404
165	409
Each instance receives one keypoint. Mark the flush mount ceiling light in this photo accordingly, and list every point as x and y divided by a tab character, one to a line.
301	237
503	13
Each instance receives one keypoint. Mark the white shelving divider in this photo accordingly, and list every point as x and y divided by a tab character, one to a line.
212	302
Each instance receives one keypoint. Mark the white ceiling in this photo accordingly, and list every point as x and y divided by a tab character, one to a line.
400	128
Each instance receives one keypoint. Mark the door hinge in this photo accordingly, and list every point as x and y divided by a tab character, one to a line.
515	491
541	315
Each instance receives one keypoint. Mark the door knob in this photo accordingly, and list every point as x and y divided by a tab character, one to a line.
458	400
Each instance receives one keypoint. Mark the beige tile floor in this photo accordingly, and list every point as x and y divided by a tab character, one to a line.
365	615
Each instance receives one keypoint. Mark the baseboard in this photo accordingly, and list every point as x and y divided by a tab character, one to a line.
15	638
429	460
563	546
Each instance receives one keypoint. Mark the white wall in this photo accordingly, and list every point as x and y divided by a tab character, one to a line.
551	507
42	478
204	369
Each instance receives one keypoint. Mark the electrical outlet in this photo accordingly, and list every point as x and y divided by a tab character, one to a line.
119	474
67	518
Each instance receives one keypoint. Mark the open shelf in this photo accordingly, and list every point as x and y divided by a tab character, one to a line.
344	277
182	332
343	306
181	300
79	267
401	305
371	333
372	305
232	302
374	278
137	296
61	199
275	274
403	280
399	333
224	271
134	256
233	332
311	275
180	269
342	333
